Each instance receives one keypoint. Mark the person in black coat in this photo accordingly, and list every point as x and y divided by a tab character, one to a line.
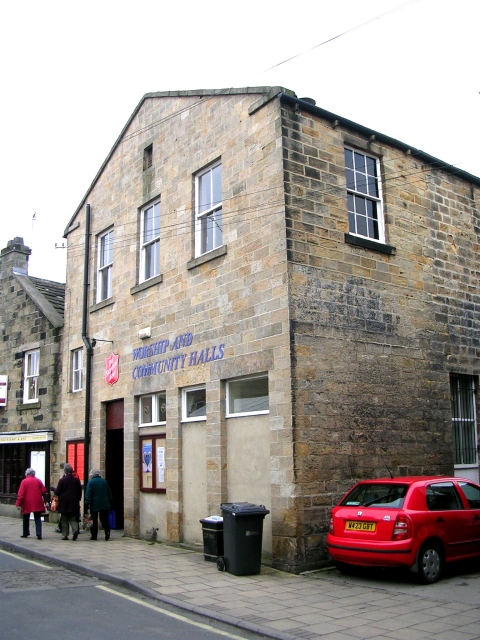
69	492
98	496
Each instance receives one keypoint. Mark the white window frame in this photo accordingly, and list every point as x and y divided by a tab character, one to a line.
361	186
105	265
231	413
158	406
185	393
77	370
208	217
30	378
149	243
464	421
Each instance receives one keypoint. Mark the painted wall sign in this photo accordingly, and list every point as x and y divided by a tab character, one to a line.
111	369
173	362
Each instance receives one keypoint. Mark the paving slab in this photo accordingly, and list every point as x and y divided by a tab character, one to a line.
275	604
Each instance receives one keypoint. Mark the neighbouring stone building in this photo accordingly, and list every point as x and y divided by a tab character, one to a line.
31	324
277	301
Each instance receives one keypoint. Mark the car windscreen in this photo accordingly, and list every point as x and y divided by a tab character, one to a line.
387	496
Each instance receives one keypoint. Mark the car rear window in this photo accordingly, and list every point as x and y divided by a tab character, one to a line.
387	496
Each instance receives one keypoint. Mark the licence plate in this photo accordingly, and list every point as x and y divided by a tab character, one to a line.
355	525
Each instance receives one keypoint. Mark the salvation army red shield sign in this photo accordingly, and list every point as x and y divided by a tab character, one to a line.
111	369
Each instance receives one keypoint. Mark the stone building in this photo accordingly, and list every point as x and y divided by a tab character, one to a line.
276	302
31	324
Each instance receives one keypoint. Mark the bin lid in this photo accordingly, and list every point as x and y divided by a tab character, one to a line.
212	519
244	509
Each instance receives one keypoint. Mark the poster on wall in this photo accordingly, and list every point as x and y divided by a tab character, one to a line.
160	464
3	390
147	457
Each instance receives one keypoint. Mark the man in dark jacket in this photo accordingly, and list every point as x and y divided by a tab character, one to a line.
69	492
99	498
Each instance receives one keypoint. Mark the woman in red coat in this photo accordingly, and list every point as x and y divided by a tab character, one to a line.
30	498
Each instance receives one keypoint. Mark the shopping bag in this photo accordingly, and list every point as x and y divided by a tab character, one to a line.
112	519
87	522
54	504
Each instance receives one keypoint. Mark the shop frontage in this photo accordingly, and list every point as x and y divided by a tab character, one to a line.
18	451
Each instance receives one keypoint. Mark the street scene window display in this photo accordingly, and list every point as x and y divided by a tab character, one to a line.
105	266
152	409
208	208
194	404
150	242
247	396
32	363
364	195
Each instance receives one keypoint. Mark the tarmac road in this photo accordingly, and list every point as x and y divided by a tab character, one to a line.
42	601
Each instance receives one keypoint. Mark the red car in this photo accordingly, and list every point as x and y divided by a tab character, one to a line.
416	522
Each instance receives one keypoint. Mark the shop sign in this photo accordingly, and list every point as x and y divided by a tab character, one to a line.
17	438
111	369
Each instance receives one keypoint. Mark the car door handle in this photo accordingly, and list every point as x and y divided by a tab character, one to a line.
440	519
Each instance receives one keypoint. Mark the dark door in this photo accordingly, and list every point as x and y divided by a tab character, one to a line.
114	456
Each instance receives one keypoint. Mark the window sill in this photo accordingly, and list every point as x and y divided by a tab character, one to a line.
153	490
366	243
146	284
101	305
29	405
247	414
153	425
206	257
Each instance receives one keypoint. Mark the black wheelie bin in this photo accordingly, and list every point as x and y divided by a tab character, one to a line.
212	529
242	537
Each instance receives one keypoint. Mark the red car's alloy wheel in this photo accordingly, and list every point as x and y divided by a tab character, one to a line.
430	563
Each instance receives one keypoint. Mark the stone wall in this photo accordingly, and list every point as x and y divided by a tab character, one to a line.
238	297
23	327
358	343
375	336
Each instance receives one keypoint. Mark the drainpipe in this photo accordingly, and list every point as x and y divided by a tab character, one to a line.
89	352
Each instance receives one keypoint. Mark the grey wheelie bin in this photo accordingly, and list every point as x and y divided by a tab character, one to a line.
242	537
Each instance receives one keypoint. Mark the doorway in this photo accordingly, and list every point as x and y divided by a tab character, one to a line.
114	458
37	462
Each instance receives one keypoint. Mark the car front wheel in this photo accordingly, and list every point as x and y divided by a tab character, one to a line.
430	563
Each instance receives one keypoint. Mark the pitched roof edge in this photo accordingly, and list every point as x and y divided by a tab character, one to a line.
381	137
230	91
39	299
169	94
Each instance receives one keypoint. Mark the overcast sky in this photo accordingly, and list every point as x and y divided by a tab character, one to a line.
73	72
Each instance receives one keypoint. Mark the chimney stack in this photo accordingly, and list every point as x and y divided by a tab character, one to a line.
14	257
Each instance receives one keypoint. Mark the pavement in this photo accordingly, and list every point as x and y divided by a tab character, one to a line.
320	604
